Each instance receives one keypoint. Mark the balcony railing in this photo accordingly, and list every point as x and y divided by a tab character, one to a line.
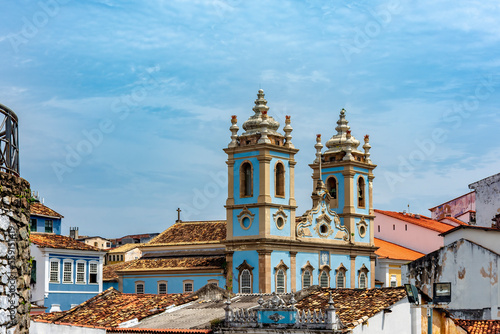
9	142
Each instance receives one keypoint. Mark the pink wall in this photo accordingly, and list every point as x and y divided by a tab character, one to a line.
455	207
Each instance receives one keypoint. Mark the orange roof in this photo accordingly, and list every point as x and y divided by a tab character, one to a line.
423	221
109	271
388	250
479	326
49	240
192	233
111	307
175	263
453	219
39	209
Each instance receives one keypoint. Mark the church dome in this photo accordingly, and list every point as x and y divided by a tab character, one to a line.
253	125
343	140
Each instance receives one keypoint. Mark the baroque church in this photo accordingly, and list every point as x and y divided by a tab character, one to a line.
263	245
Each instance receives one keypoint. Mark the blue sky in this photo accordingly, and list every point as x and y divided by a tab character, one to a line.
125	106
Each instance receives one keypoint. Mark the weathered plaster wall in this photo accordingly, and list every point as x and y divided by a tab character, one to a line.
43	328
14	254
487	199
441	324
472	271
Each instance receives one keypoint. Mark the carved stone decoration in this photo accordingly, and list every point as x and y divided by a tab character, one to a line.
245	213
276	317
362	227
280	223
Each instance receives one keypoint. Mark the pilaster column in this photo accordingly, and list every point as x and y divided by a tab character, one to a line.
293	270
229	271
265	274
353	271
372	271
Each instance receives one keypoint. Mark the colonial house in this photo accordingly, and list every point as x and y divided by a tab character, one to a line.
65	272
123	253
469	261
263	245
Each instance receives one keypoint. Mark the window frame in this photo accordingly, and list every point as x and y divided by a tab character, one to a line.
310	269
160	283
186	282
58	272
341	271
213	281
242	269
64	271
361	196
280	281
49	224
33	227
92	273
142	284
84	263
246	179
279	180
324	273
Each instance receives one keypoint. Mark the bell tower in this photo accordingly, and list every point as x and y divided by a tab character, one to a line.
261	203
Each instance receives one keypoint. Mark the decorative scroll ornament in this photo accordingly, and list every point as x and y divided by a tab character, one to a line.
280	223
245	213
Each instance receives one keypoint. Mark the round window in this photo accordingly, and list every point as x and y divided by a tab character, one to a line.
323	229
362	231
245	222
280	222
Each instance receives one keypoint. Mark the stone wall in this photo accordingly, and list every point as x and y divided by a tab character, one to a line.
15	269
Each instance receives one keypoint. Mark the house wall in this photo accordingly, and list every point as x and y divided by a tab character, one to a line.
174	281
399	320
40	224
472	271
487	239
441	324
487	199
455	207
43	328
38	289
415	237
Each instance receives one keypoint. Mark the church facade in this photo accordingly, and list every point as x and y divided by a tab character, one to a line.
267	247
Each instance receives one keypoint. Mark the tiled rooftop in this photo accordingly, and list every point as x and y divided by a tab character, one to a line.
479	326
123	248
49	240
192	233
109	271
389	250
38	208
353	305
175	263
453	219
423	221
111	307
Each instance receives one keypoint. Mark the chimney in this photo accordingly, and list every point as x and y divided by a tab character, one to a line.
73	232
417	216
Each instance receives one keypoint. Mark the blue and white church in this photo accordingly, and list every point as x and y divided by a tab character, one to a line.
264	245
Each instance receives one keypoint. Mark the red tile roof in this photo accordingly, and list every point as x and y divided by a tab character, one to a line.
49	240
109	271
111	307
353	305
479	326
39	209
191	233
389	250
423	221
453	219
215	262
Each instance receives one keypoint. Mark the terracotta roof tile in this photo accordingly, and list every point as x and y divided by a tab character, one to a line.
38	208
123	248
175	263
49	240
192	233
479	326
422	221
390	250
109	271
453	219
353	304
111	307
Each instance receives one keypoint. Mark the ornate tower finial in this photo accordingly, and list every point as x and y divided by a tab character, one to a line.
367	147
318	148
260	103
288	130
234	131
263	129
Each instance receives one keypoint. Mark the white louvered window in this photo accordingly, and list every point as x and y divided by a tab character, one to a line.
340	279
67	272
54	272
80	272
306	279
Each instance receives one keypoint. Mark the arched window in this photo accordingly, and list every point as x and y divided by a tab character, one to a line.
340	279
362	281
280	281
306	279
245	281
331	186
324	280
361	192
279	179
162	287
246	185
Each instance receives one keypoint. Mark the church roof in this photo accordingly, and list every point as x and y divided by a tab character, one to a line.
353	306
193	232
389	250
38	209
49	240
151	264
111	308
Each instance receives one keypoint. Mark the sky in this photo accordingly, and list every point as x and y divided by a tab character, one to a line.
124	106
